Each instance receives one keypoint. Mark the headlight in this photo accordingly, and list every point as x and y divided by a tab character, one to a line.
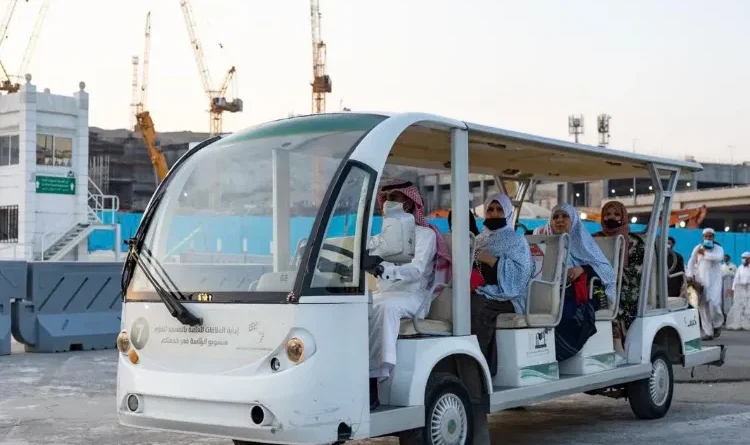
123	342
295	350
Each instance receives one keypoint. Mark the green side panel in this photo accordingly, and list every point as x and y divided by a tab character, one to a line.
605	361
693	345
546	371
316	123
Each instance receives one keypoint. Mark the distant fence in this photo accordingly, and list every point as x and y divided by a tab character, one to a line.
59	306
251	235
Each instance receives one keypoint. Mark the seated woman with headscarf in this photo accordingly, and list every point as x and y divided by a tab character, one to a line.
615	222
503	259
402	287
585	262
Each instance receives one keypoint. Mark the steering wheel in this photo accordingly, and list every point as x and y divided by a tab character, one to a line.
329	266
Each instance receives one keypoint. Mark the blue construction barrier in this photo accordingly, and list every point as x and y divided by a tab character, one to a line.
257	231
12	286
69	306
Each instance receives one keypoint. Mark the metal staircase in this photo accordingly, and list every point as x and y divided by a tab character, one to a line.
101	212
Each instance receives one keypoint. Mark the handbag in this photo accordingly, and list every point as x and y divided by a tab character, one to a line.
476	279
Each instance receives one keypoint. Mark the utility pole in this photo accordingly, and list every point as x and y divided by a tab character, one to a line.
635	190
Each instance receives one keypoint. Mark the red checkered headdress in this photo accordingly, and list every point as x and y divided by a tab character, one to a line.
443	261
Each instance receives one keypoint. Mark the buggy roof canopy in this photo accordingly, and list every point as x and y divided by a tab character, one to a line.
495	151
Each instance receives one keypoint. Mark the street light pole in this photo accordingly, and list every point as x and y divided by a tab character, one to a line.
634	189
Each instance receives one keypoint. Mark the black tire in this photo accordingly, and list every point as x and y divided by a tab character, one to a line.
447	390
644	403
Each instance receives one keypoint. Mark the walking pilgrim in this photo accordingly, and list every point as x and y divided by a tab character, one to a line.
704	267
739	315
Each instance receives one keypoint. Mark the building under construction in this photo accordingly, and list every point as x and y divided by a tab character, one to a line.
120	164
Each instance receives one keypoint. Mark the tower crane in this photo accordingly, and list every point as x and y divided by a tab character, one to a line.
34	38
7	84
218	103
143	118
321	84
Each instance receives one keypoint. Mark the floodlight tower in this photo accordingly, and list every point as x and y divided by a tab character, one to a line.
575	125
602	126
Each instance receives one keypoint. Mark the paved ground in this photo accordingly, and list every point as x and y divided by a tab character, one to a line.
68	399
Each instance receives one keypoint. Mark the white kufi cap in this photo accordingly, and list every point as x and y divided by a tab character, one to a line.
708	230
746	255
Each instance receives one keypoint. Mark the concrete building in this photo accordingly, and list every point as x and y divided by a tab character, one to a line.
120	164
47	204
722	188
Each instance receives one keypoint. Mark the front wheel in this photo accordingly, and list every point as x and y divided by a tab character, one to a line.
650	398
449	414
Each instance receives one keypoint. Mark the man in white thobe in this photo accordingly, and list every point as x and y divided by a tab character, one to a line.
402	288
704	267
739	315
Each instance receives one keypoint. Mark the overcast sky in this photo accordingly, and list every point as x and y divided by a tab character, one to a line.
673	74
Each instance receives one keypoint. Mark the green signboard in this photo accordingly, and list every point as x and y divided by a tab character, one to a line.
59	185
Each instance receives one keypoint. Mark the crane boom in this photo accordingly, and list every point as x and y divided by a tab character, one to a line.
227	80
29	52
148	132
6	84
146	53
134	91
187	12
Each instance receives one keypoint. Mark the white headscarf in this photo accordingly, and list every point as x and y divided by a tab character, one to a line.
506	204
585	251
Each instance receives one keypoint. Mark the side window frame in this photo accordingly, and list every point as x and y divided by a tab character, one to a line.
303	286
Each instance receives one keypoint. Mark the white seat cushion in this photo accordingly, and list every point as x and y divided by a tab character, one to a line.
516	321
407	326
676	303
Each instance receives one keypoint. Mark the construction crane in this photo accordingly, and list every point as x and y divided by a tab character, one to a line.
143	118
321	85
7	83
31	46
218	103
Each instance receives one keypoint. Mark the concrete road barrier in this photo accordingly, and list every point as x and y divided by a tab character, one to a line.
12	286
69	306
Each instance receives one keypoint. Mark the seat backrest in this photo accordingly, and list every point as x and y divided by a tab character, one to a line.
545	290
613	249
442	306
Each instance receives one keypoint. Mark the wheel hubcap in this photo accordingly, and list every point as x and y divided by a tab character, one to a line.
448	421
659	383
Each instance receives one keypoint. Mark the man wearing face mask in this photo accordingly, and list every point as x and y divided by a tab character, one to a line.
401	288
704	267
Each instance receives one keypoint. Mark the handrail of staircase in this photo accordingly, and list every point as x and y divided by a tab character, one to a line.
100	203
66	225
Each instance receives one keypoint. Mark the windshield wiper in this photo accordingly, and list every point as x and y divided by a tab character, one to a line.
171	298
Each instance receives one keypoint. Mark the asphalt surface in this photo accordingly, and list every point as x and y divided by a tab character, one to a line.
68	399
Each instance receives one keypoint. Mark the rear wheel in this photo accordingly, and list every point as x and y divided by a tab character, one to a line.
651	398
449	414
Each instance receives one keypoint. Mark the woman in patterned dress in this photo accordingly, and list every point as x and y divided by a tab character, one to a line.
615	222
